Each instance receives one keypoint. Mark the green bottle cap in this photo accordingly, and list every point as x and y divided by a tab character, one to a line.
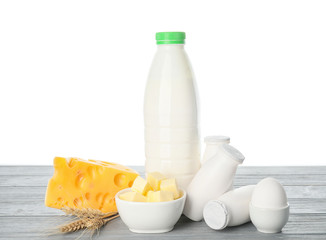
170	37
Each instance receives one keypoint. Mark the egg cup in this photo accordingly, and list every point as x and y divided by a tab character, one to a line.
269	220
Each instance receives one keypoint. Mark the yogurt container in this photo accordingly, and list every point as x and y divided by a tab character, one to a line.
213	145
212	180
231	209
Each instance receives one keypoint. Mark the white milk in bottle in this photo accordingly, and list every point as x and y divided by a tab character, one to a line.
172	144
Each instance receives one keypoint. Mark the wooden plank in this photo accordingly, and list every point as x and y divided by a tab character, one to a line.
24	216
36	207
39	170
240	180
8	194
296	228
244	170
281	170
286	180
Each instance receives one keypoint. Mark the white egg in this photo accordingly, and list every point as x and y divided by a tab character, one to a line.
269	209
269	193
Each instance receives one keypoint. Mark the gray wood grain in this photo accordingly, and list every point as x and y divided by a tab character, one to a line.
240	180
35	170
39	227
35	207
24	216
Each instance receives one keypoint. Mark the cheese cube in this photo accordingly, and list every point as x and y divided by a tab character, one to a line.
79	183
170	185
159	196
141	185
133	197
154	179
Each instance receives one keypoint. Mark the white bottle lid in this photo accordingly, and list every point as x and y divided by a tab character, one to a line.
217	139
216	215
232	152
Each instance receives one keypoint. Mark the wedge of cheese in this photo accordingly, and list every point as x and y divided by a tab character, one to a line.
79	183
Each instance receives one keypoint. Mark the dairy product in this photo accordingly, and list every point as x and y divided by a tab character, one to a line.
149	217
230	209
79	183
154	179
213	144
133	197
172	144
213	179
157	188
170	185
141	185
160	196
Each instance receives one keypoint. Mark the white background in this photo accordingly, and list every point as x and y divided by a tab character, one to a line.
73	75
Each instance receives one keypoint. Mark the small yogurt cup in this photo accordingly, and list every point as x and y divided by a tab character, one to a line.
150	217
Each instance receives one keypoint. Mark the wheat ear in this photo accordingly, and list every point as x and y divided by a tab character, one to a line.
89	219
74	226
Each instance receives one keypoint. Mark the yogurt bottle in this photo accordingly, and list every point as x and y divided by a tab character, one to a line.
213	144
172	144
213	147
231	209
212	180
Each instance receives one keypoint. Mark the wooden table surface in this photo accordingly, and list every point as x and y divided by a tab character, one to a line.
24	216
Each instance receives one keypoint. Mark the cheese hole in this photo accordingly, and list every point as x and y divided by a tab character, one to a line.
72	162
120	180
77	202
88	196
100	169
99	198
59	200
91	171
112	201
106	199
79	180
130	183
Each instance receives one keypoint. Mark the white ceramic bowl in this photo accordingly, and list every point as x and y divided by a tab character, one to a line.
150	217
269	220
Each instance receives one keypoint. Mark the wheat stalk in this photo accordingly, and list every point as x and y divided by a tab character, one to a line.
86	212
95	224
88	218
74	226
